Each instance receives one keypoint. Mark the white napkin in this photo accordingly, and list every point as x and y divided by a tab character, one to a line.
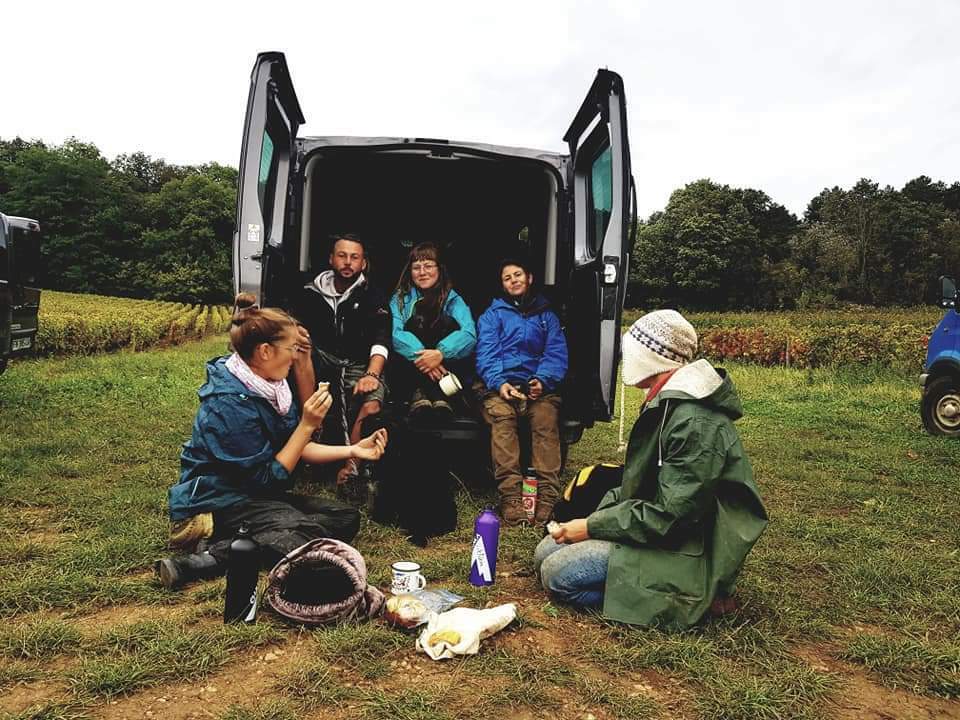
472	626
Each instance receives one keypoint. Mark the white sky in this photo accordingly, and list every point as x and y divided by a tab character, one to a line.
785	97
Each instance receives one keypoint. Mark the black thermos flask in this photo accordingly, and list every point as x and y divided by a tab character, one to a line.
243	570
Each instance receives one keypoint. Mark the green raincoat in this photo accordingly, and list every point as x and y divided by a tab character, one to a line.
687	512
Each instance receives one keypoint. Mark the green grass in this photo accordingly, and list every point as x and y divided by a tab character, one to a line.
864	533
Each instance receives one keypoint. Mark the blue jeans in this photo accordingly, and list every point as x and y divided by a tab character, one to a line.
575	574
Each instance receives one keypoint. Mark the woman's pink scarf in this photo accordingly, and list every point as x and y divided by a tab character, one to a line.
276	392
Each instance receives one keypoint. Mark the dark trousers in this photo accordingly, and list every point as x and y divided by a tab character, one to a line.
405	378
280	525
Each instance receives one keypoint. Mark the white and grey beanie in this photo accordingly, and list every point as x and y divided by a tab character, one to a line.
658	342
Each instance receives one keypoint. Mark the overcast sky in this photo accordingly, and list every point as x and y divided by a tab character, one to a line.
786	97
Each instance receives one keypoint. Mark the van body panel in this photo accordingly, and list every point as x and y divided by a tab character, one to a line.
270	127
19	286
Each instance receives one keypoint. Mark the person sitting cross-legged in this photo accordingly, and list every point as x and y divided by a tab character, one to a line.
666	546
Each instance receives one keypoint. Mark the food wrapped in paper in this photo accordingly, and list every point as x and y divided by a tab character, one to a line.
459	631
412	609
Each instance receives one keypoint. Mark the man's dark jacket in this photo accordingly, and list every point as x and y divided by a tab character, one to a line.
361	321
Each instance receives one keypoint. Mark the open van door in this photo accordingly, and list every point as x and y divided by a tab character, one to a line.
269	130
603	218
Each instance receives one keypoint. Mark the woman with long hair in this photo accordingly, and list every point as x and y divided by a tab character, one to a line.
433	331
248	437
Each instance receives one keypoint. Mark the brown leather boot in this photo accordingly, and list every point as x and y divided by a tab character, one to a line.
512	512
544	511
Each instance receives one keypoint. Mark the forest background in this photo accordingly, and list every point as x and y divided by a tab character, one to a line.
139	227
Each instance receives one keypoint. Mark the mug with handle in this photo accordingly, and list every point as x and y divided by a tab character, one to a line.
406	577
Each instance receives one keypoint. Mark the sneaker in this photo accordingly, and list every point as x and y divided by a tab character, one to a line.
512	512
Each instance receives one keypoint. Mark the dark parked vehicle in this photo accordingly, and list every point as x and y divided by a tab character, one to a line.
572	213
940	402
19	292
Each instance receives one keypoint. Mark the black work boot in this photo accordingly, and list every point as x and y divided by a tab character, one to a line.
176	571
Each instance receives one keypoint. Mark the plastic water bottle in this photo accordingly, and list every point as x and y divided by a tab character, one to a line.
483	559
243	571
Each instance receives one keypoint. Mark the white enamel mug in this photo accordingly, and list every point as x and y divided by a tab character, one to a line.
450	384
406	577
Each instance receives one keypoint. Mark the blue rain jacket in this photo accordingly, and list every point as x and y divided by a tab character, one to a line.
231	455
515	344
455	346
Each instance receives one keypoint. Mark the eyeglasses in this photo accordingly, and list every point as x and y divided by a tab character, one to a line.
423	267
292	348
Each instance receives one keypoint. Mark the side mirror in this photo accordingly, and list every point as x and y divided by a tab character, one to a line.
948	292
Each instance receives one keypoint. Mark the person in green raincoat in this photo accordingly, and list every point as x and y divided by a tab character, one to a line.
670	541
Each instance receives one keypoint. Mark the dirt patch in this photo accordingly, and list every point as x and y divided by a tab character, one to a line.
859	697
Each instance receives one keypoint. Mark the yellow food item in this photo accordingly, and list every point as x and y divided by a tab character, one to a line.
451	637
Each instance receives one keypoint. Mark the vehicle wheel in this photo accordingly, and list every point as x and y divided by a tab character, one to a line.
940	406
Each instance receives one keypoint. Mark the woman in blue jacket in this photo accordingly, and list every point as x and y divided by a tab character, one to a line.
433	331
248	437
522	358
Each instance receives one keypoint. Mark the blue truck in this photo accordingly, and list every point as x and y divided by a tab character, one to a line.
940	402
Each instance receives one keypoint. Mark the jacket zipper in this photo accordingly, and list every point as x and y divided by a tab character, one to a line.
666	404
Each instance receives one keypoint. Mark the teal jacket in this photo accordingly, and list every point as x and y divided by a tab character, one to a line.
455	346
231	455
688	511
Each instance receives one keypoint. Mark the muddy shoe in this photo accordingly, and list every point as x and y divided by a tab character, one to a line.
544	511
442	410
512	512
176	571
724	606
420	404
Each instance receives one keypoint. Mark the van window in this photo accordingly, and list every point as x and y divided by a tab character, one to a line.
601	199
26	257
266	182
3	256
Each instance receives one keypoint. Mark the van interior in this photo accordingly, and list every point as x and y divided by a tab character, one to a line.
477	209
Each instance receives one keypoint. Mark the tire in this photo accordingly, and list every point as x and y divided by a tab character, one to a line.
940	406
3	365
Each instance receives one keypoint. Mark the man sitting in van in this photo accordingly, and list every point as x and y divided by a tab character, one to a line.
522	359
350	328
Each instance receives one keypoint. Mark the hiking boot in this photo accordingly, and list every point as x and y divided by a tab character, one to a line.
724	605
419	404
544	511
512	512
442	410
174	572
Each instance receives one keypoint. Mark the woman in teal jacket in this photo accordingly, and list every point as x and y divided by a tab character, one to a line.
433	332
248	436
668	544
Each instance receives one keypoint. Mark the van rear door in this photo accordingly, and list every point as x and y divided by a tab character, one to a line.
603	217
269	130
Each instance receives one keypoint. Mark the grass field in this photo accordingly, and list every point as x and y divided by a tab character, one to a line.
851	600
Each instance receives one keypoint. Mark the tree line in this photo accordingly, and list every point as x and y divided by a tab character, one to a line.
724	248
137	226
134	227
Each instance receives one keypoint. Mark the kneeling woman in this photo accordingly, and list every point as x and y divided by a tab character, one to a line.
248	437
433	331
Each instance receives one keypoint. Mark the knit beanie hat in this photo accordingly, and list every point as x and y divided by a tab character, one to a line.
658	342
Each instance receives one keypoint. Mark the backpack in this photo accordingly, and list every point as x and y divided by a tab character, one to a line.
414	487
584	492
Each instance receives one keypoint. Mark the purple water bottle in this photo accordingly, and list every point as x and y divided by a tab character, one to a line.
483	559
